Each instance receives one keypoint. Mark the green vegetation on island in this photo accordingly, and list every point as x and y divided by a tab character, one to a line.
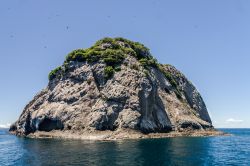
112	52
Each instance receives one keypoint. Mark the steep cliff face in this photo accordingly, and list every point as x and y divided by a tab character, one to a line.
114	85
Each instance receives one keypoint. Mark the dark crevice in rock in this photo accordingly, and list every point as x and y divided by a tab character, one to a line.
167	90
13	127
27	125
208	126
189	99
69	100
77	80
111	101
106	122
50	124
51	98
97	80
190	125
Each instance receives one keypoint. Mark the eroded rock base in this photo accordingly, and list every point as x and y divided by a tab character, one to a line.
122	134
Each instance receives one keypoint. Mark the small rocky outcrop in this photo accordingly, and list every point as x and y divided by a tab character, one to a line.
114	85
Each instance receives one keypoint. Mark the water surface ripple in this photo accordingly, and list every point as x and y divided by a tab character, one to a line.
230	150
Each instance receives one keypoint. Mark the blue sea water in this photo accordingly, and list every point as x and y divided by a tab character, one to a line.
223	150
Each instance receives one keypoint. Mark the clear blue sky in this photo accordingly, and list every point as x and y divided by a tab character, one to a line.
207	40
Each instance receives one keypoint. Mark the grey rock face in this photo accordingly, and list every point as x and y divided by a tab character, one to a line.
191	94
84	99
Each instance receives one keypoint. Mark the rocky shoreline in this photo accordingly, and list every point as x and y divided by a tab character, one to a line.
122	135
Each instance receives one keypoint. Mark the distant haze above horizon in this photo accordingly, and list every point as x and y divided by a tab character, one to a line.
206	40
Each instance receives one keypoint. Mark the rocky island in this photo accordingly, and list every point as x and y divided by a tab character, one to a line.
115	90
